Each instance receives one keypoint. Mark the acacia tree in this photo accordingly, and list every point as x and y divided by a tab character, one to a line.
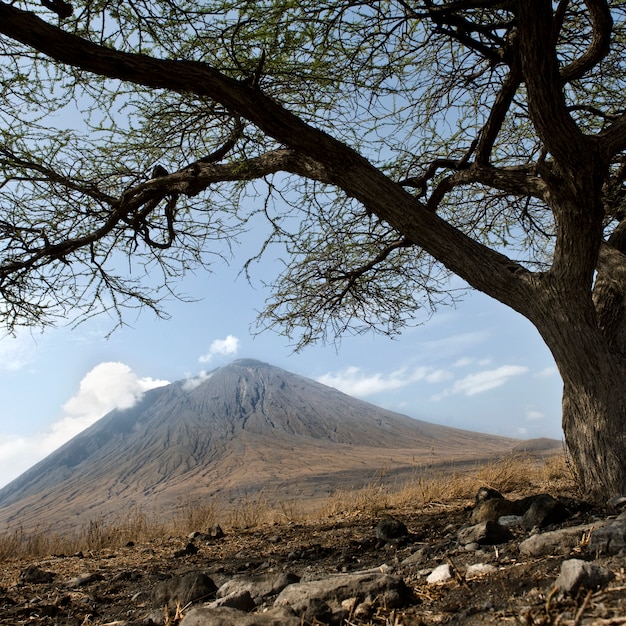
388	143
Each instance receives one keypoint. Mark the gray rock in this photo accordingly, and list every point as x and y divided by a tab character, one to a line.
390	528
510	521
185	589
418	557
83	579
35	575
609	539
322	599
226	616
556	541
544	511
259	587
240	600
486	533
616	504
576	573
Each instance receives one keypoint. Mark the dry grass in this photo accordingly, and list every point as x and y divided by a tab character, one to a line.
510	475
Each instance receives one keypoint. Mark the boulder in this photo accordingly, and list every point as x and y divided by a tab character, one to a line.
226	616
486	533
325	600
185	589
390	529
544	511
35	575
576	573
611	538
555	541
259	587
240	600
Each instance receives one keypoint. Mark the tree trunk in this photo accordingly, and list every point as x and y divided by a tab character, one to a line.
592	364
594	424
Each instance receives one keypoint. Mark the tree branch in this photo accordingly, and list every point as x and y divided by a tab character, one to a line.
134	206
517	181
600	45
482	267
557	130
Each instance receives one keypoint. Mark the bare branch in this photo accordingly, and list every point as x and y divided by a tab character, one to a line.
600	44
137	203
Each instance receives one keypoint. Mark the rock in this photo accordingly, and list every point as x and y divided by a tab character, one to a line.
486	533
240	600
491	510
83	579
440	574
616	505
389	528
225	616
576	573
487	493
215	532
189	549
322	599
544	511
259	587
479	569
609	539
510	521
418	557
185	589
556	541
35	575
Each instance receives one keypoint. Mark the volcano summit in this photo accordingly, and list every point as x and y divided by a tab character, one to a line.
243	428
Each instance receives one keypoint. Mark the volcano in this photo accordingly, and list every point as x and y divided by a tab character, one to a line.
243	428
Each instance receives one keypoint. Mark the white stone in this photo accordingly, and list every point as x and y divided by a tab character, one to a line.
440	574
480	569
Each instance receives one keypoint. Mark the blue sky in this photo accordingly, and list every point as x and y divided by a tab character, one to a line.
479	366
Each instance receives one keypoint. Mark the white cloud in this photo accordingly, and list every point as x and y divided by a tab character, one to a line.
355	382
195	381
221	347
438	376
106	387
480	382
466	361
533	415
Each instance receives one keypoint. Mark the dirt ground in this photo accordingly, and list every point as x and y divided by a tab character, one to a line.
116	583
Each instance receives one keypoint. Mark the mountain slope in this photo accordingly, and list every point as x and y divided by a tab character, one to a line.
248	426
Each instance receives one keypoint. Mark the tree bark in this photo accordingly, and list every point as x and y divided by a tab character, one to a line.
594	394
594	424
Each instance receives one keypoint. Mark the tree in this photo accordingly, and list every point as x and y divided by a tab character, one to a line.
389	144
